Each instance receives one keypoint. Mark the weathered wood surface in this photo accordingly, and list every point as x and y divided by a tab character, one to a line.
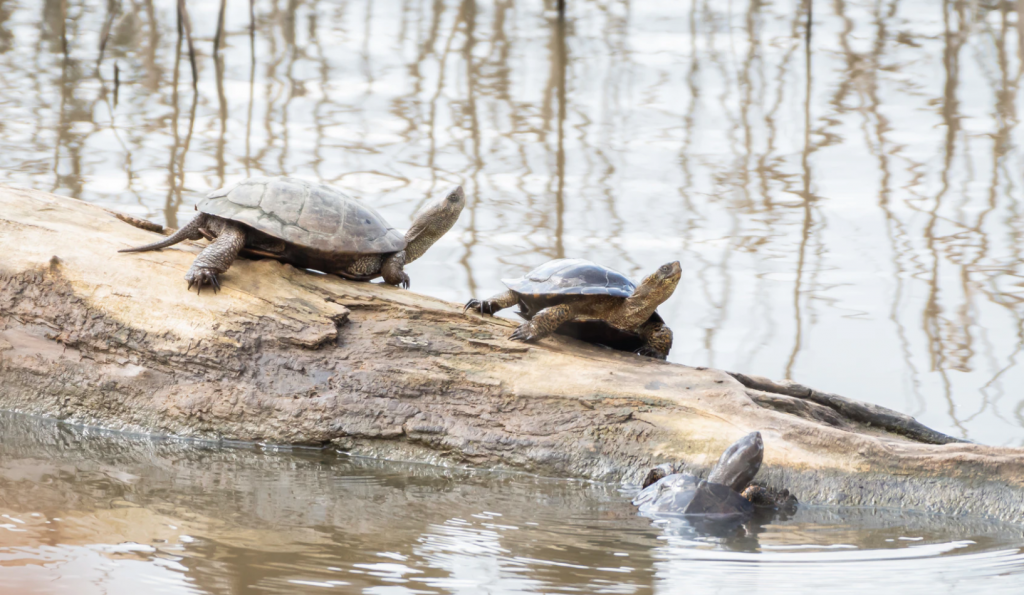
282	355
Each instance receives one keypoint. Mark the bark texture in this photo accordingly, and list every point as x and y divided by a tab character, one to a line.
282	355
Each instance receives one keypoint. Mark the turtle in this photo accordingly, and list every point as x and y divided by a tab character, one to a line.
588	301
726	491
310	225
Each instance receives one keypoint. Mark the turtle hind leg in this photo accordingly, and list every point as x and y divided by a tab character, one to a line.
492	304
189	232
216	258
544	323
657	340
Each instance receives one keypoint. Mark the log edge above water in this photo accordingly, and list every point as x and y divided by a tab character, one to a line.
286	356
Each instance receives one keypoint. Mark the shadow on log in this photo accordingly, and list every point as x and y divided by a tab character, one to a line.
283	355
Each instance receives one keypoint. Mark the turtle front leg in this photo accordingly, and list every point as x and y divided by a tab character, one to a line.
393	270
657	340
216	258
493	304
544	323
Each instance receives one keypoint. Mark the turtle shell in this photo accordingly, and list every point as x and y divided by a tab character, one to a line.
572	276
681	493
306	214
565	278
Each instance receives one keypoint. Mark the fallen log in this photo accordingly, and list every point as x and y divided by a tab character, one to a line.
287	356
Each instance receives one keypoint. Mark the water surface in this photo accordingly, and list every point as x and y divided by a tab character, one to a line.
89	512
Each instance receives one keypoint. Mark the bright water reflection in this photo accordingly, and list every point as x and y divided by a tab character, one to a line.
86	512
846	216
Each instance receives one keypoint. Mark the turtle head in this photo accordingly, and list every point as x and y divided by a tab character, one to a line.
654	289
739	463
433	221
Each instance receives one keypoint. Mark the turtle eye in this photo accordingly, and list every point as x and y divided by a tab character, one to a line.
453	197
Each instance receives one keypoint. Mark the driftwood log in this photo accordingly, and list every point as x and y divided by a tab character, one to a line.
287	356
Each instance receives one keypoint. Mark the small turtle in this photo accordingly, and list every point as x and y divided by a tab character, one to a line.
720	493
590	302
309	225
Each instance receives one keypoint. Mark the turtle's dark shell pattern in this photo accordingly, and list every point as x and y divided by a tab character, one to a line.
572	276
682	493
305	214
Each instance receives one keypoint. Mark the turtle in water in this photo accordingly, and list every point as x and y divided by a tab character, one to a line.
309	225
588	301
726	491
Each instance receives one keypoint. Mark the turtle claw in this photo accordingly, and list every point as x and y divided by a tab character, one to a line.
523	332
647	351
203	277
474	304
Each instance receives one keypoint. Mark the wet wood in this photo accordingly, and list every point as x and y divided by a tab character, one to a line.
287	356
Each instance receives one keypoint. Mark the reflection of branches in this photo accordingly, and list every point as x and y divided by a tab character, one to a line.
805	193
112	7
879	144
273	91
1005	92
252	87
325	97
616	79
469	12
932	310
179	148
185	26
294	86
222	100
559	57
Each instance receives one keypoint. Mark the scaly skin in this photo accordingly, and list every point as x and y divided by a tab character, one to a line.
491	305
544	322
632	314
216	258
366	266
191	231
432	222
763	497
657	339
393	272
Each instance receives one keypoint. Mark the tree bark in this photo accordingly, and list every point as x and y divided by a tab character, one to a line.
287	356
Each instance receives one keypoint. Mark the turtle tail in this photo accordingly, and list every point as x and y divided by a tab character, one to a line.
189	232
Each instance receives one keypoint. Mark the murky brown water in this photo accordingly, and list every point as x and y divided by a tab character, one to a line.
85	512
846	216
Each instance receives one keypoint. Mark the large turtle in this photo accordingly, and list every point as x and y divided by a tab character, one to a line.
588	301
309	225
726	491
